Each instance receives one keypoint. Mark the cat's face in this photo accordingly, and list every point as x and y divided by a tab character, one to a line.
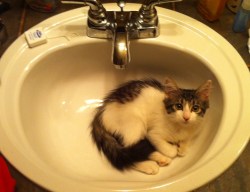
184	111
186	106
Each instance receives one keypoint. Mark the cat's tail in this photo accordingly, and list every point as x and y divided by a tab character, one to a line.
110	144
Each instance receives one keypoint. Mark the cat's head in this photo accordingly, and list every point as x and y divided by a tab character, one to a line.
187	105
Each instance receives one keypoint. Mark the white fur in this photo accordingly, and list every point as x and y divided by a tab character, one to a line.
132	119
149	167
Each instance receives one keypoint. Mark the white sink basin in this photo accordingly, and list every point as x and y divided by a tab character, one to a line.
48	94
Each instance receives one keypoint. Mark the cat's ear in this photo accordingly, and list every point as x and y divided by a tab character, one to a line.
204	90
171	88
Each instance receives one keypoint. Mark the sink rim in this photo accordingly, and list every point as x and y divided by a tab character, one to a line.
184	181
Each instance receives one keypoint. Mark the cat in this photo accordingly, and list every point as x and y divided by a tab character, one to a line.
144	124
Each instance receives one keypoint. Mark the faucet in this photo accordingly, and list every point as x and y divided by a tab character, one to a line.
121	53
122	26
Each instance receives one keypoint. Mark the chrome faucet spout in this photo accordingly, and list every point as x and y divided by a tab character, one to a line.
122	26
121	52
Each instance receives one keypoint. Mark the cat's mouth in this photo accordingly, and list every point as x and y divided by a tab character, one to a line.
185	122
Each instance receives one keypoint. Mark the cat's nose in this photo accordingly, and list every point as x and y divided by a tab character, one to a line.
186	118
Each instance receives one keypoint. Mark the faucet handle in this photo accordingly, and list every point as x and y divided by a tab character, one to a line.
97	13
121	4
148	14
150	4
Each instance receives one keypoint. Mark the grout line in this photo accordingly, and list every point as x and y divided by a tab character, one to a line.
22	20
173	6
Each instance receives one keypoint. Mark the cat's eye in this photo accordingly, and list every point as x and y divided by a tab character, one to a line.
178	106
196	108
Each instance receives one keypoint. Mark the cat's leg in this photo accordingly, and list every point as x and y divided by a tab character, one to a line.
162	160
149	167
163	146
183	147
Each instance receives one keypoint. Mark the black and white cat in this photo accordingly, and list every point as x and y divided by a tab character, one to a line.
144	124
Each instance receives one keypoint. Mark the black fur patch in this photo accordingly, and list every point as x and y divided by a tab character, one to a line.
129	91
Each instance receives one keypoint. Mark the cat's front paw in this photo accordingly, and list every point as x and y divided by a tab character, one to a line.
160	159
182	151
172	151
147	167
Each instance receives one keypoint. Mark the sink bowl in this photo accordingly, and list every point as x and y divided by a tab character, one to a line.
48	95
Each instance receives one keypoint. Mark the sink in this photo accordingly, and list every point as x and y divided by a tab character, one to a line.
48	95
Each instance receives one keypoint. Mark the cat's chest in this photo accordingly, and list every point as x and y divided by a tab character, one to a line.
180	135
173	133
